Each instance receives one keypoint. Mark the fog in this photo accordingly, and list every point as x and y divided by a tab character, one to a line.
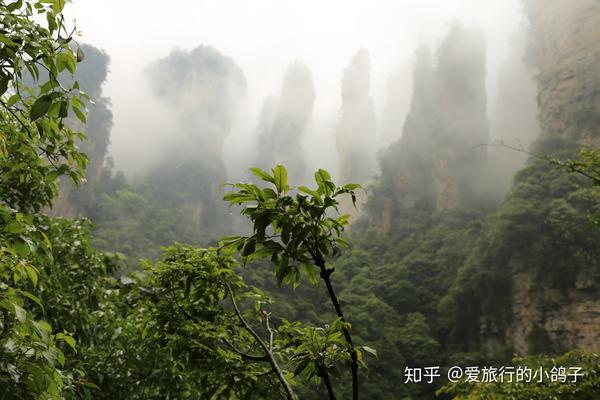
284	120
203	90
264	38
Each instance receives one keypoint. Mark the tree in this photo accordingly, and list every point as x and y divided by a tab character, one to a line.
294	232
36	148
191	288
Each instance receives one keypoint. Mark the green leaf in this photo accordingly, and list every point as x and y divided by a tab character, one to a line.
3	84
310	272
12	100
249	247
280	175
90	385
321	176
64	110
44	325
22	248
313	193
369	350
262	174
67	339
54	110
80	55
15	227
4	39
58	6
13	6
80	115
32	274
40	107
301	366
20	313
60	357
61	61
352	186
282	269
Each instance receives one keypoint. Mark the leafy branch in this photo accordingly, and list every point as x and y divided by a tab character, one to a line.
297	233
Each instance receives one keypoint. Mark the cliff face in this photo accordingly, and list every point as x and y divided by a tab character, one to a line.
568	55
204	89
357	126
564	319
407	166
437	163
463	127
283	122
567	49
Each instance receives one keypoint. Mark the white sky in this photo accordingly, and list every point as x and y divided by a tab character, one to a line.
263	37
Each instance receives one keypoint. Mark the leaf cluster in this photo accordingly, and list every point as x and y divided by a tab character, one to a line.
294	228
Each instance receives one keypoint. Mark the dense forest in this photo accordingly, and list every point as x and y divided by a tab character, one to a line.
451	246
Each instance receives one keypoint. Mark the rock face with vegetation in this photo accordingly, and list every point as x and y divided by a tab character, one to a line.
526	275
463	126
568	54
437	165
562	309
204	89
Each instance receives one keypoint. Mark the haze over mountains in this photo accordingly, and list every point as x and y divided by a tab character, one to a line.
389	30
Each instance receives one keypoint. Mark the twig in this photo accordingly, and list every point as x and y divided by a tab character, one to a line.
286	386
243	354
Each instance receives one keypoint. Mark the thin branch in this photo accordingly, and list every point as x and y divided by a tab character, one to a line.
286	386
17	118
270	333
183	310
243	354
546	158
269	372
507	146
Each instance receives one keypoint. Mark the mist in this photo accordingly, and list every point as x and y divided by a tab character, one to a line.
357	124
283	122
203	89
265	39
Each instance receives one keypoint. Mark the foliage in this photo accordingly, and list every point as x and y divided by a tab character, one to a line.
204	343
36	148
137	218
544	224
302	231
561	387
587	165
294	232
435	289
35	145
192	339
